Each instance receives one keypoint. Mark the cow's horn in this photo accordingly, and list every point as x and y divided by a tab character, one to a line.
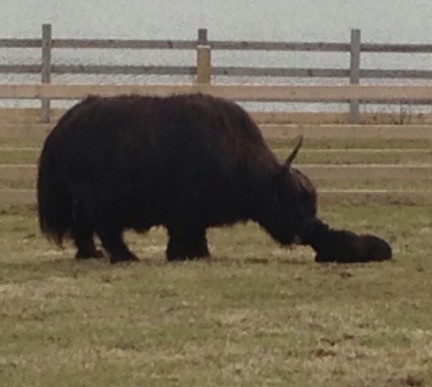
294	152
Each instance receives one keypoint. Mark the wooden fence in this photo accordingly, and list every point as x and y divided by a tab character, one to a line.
17	178
416	172
337	160
204	71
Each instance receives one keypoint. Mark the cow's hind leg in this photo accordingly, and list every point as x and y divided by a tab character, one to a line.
82	234
186	243
111	237
115	246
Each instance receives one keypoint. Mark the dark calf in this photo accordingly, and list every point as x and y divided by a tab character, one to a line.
345	246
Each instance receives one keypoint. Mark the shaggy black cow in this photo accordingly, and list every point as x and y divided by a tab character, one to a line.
345	246
186	162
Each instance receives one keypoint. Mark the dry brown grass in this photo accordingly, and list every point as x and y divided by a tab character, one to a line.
255	315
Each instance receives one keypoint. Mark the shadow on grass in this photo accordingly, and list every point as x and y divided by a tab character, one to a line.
74	268
258	261
69	264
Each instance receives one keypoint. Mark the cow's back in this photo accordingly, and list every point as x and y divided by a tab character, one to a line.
166	156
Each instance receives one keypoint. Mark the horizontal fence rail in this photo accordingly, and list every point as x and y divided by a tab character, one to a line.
235	92
204	71
38	132
215	44
11	197
19	197
20	172
226	71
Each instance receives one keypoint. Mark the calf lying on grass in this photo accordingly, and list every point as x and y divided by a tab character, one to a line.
345	246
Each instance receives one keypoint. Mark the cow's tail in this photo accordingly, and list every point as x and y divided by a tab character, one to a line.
55	206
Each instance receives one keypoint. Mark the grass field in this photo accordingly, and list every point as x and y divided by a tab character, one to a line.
253	315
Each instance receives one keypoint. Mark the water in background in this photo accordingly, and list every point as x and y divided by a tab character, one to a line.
384	21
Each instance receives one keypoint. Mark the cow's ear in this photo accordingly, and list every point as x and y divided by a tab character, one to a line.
293	154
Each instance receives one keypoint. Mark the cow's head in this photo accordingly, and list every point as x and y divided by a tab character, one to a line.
303	191
295	201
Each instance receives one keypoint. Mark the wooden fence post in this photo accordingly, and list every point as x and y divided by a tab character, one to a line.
46	69
203	64
202	36
203	58
355	73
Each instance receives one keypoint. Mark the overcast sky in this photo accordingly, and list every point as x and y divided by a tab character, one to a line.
380	20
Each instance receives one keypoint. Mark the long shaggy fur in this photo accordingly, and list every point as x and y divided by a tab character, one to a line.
186	162
54	201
